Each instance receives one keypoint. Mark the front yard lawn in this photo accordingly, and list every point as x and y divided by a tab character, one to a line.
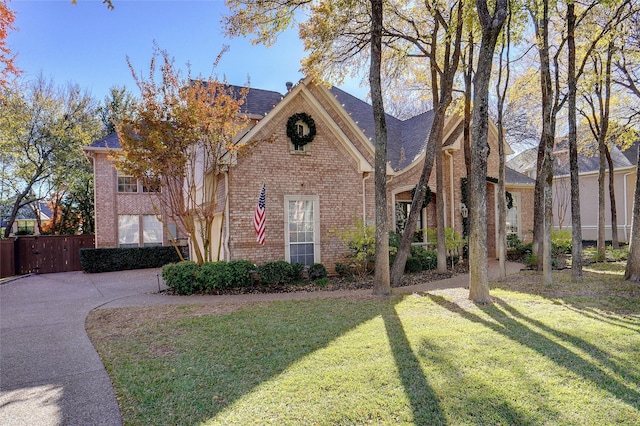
540	355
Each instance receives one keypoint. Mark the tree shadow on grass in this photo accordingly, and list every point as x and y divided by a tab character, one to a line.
192	370
424	401
514	328
604	358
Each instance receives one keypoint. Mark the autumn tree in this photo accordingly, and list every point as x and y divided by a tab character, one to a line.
7	59
42	130
174	142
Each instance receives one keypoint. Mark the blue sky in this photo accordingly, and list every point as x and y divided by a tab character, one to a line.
88	44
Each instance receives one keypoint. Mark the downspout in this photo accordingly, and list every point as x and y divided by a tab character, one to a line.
365	176
626	216
451	190
227	252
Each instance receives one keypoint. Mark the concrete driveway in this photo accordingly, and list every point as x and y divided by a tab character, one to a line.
50	374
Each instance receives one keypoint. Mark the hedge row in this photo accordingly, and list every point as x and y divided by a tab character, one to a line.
187	278
95	260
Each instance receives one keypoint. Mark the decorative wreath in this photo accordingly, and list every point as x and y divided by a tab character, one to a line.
509	197
292	131
427	197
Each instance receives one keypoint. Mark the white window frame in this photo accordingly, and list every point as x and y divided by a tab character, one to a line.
315	199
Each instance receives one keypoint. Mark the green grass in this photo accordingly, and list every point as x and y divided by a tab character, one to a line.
565	354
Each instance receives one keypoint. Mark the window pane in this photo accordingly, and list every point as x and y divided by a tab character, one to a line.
128	231
512	224
151	230
302	253
127	184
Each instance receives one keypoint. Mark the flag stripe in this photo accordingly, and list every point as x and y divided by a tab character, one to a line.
259	216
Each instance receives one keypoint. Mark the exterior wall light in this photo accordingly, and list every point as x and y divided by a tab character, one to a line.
464	211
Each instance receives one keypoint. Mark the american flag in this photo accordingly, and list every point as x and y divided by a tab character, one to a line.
259	216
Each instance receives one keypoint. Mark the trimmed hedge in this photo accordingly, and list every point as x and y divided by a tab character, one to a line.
94	260
187	278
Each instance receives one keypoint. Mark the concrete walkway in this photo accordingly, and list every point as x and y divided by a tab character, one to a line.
50	374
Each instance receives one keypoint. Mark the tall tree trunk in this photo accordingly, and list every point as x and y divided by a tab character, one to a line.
612	198
478	272
501	95
468	75
632	271
381	279
543	210
601	244
576	222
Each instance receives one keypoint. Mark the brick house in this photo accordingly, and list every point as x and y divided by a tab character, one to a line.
311	189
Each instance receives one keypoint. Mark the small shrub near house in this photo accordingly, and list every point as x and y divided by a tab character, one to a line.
317	271
94	260
279	272
360	240
182	277
561	242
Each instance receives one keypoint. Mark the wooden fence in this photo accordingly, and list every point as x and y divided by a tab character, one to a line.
7	259
43	254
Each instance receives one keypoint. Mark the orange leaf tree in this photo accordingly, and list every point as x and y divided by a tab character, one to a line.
7	18
181	129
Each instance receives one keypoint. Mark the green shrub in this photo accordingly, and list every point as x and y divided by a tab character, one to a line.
321	282
95	260
531	260
214	276
342	269
561	242
361	242
278	272
428	258
316	271
241	273
513	241
182	277
413	264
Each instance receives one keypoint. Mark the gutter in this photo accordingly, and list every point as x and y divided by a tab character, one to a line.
227	230
365	176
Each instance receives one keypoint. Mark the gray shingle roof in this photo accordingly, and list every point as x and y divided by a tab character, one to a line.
109	142
516	178
406	139
587	162
258	101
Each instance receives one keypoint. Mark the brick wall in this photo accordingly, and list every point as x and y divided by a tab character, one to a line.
109	203
326	170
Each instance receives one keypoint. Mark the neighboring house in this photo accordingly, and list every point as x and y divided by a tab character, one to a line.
26	222
315	188
624	169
